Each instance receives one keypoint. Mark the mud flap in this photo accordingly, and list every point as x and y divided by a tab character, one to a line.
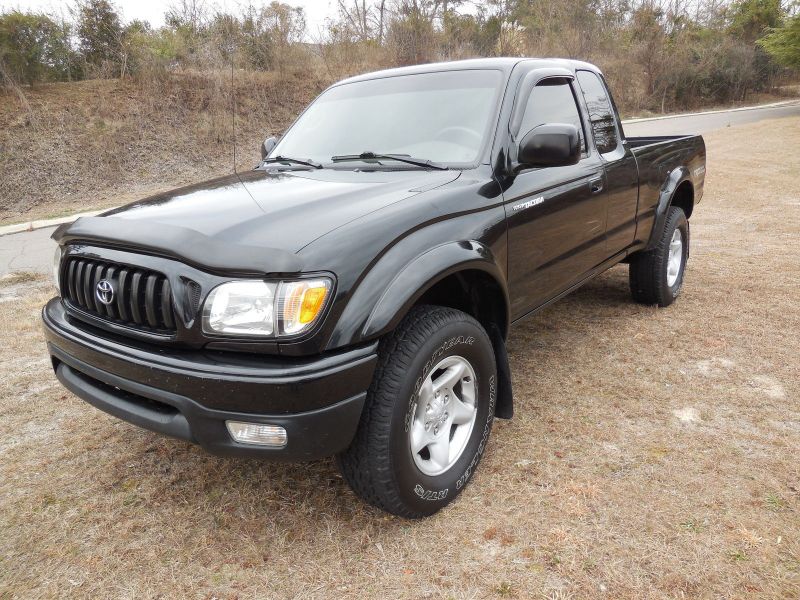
504	409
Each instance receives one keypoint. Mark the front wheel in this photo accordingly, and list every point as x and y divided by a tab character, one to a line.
427	416
656	276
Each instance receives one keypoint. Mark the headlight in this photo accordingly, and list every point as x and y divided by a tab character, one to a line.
241	308
264	308
57	267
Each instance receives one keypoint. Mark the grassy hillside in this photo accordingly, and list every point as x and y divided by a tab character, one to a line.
82	145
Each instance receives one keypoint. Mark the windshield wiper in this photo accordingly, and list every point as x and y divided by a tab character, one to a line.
405	158
287	159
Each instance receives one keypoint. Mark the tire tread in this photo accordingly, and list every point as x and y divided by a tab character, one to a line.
367	464
646	270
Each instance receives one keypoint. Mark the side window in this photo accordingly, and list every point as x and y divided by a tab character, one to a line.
601	115
552	101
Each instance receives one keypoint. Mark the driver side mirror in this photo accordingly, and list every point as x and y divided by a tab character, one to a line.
550	145
268	146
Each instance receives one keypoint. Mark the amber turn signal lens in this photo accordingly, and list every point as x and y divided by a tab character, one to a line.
312	304
301	303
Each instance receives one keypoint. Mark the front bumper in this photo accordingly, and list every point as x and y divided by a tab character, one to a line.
189	394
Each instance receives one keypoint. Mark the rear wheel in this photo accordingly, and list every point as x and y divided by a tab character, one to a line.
656	276
427	416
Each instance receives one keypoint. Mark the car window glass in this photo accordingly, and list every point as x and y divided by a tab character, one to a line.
601	115
443	116
552	101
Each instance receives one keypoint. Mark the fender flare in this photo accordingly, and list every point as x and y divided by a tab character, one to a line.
673	181
425	271
419	276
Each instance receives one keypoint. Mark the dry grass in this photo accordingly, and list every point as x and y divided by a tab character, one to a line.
654	453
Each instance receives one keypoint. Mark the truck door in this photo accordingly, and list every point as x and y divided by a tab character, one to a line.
621	172
557	215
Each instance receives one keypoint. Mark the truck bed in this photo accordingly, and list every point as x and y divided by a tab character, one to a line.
659	158
638	142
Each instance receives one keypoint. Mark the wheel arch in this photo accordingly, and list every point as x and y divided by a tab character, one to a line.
678	190
464	275
683	197
459	270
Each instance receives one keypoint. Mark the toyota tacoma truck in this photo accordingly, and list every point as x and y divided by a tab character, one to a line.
351	295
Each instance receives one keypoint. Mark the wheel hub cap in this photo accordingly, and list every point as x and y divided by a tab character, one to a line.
444	415
436	414
675	257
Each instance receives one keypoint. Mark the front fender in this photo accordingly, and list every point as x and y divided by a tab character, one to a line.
391	293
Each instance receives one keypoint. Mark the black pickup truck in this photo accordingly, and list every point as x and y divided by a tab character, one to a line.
351	295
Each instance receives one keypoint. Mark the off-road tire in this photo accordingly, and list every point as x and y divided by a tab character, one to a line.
379	465
647	271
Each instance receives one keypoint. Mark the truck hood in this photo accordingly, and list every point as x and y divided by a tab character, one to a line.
283	211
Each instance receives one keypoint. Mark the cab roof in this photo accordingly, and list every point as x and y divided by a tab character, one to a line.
504	64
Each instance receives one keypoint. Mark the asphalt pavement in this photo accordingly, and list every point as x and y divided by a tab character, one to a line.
28	251
33	250
708	121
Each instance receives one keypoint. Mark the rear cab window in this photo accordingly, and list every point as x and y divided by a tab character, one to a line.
601	112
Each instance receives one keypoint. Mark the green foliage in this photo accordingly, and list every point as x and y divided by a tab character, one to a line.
751	18
775	502
256	45
783	43
143	49
279	29
470	34
100	33
412	34
34	48
223	33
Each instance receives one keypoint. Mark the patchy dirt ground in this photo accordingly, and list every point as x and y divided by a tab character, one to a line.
654	453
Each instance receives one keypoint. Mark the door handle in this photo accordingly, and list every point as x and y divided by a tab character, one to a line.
596	185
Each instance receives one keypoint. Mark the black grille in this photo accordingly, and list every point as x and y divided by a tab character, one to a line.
193	289
141	298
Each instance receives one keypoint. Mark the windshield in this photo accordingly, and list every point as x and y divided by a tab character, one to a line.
443	117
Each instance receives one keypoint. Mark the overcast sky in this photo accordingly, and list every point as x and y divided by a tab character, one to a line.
153	10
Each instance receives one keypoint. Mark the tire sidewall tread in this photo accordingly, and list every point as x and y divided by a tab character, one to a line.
378	464
648	270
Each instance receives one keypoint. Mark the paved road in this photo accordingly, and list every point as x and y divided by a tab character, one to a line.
33	251
703	123
29	251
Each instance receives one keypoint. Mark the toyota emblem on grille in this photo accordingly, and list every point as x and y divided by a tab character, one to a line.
105	291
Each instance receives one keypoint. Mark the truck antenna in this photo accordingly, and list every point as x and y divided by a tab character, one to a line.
233	106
